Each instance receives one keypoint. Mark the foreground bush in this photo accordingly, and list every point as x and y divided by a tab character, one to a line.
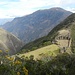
63	64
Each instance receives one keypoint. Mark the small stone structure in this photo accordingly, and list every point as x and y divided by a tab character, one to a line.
63	40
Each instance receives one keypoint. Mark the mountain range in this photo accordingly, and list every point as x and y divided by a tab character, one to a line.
37	24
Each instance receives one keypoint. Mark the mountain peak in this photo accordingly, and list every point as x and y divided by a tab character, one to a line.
58	9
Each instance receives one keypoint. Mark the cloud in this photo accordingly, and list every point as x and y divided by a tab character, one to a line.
9	0
67	2
71	9
23	7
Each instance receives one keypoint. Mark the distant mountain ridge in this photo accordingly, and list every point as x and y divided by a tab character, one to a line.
9	42
37	24
4	20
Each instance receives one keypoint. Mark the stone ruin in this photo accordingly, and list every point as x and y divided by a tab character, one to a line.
63	40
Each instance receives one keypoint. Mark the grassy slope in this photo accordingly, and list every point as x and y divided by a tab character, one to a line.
49	50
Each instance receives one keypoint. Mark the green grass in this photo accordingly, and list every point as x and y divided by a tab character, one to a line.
49	50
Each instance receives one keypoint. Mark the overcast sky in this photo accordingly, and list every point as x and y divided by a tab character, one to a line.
16	8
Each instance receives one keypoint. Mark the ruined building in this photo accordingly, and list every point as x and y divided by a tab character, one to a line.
63	40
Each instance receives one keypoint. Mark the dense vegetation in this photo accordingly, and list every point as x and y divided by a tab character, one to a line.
63	64
46	40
